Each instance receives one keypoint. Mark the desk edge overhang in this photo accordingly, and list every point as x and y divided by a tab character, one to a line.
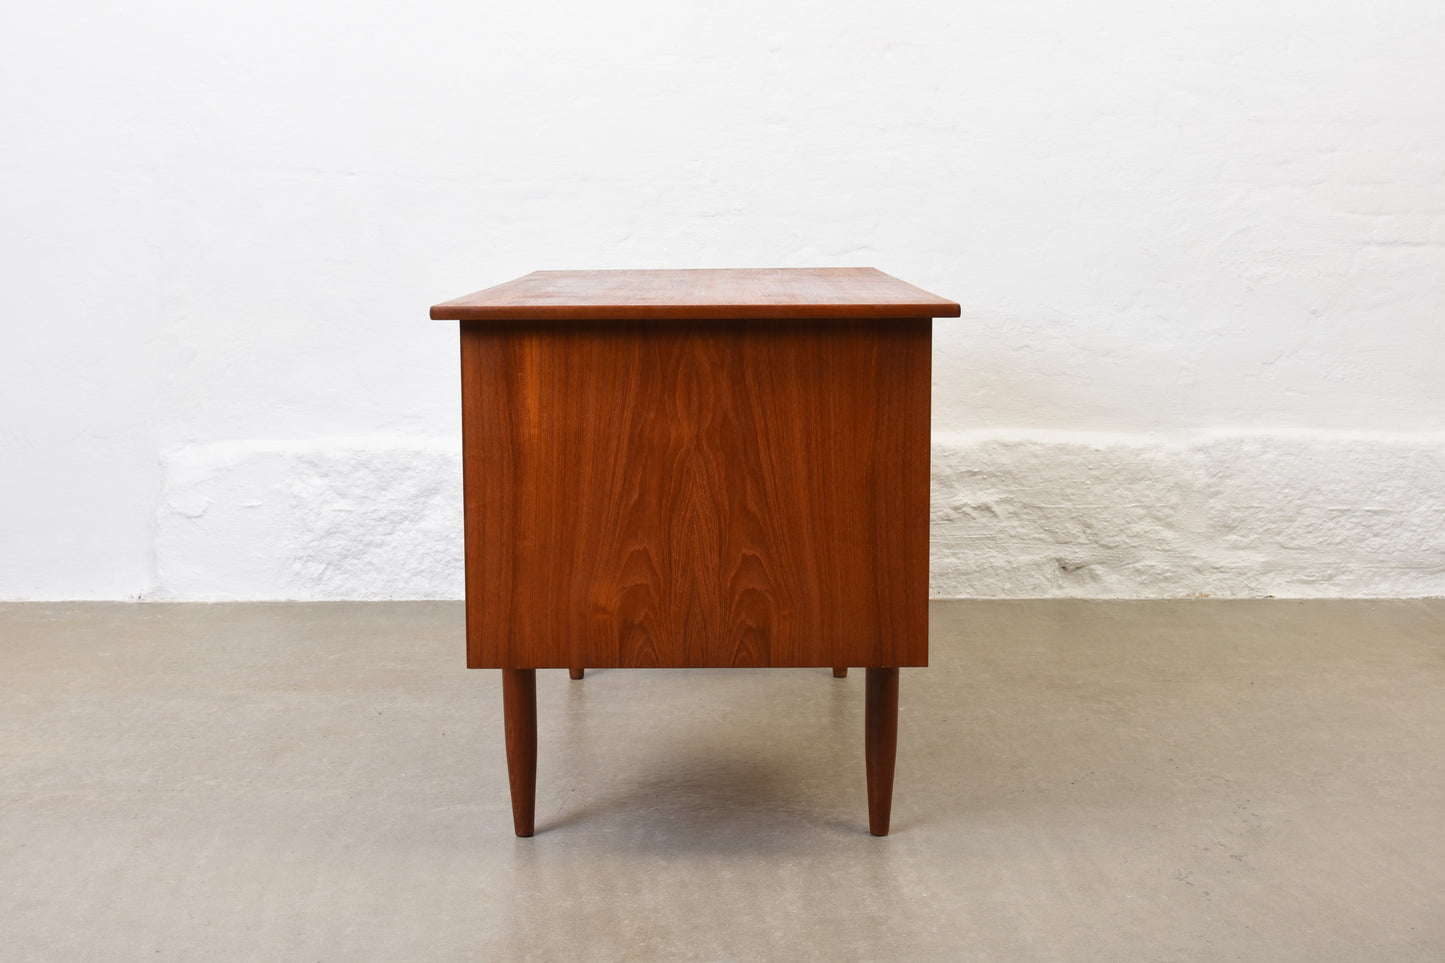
691	312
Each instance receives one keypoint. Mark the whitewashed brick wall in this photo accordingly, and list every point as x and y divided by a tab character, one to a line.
1015	514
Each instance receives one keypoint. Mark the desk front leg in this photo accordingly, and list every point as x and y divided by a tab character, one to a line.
519	706
880	744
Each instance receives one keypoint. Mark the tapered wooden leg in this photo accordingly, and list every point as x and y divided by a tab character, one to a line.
519	706
840	672
577	671
880	744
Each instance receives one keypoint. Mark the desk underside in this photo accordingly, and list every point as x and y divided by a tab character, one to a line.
710	493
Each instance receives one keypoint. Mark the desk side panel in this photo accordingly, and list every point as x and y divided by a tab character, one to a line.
737	493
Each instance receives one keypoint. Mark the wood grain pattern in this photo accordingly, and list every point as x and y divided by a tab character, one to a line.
732	493
712	294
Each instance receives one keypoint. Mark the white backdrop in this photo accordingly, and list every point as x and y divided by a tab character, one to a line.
1200	251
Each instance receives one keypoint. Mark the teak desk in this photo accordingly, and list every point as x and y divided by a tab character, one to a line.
697	468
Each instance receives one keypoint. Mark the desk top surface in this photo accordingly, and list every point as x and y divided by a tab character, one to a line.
711	294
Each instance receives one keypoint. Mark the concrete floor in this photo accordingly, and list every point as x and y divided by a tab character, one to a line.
1203	780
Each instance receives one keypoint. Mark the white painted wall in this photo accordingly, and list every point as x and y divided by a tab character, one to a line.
1200	249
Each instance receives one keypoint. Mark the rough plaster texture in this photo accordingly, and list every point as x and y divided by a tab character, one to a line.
222	225
363	519
1014	515
1215	514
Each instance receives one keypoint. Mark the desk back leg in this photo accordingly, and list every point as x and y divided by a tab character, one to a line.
880	744
519	706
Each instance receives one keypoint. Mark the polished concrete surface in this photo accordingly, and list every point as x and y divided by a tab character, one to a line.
1200	780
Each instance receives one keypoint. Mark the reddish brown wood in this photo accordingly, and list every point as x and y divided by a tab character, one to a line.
840	672
880	744
576	672
713	494
698	294
696	468
519	709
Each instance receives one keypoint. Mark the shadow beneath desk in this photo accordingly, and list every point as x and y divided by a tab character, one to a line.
704	759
